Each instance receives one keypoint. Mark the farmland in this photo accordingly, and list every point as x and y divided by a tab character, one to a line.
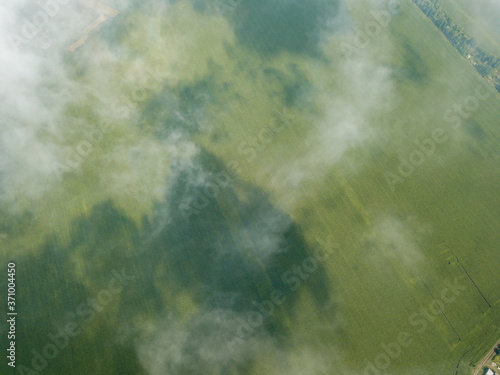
269	201
479	19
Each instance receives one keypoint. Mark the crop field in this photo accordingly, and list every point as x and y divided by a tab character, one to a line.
256	196
479	19
379	291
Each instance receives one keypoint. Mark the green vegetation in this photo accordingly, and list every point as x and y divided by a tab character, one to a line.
343	123
479	18
486	64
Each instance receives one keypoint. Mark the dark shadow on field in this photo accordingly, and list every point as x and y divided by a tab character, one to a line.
475	130
186	109
268	26
292	84
413	68
180	110
54	285
273	26
231	253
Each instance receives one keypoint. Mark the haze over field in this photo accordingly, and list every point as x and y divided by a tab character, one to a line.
246	187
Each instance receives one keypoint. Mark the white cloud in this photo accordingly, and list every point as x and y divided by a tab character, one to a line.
349	103
200	345
397	238
34	90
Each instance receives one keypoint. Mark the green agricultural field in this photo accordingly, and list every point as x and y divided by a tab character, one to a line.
479	19
270	188
378	298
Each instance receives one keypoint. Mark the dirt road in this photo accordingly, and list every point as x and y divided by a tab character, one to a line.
481	365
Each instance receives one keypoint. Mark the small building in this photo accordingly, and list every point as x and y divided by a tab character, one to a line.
490	372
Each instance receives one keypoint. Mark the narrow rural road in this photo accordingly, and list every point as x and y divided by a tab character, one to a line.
480	367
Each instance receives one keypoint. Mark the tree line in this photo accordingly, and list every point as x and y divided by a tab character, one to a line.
487	65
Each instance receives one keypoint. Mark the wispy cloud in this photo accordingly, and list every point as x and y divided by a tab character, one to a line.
396	238
197	345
